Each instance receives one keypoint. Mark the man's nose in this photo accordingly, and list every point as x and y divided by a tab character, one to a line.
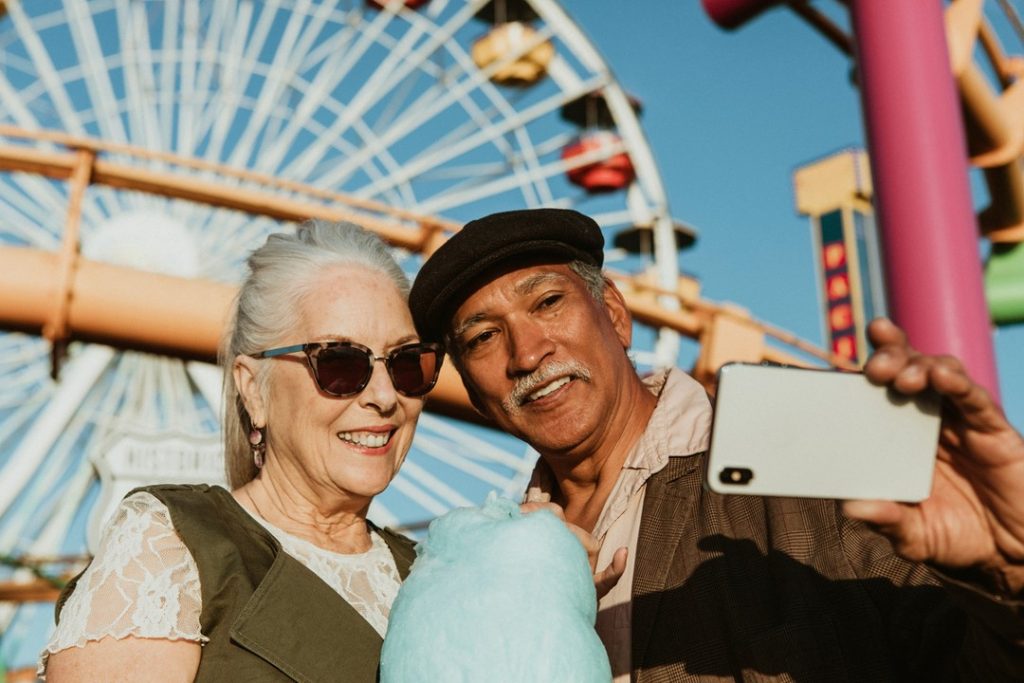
530	344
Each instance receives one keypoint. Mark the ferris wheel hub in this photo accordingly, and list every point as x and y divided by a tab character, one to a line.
146	240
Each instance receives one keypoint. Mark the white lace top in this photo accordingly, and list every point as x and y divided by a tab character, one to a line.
144	582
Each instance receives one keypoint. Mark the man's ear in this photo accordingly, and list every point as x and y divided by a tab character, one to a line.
244	369
618	313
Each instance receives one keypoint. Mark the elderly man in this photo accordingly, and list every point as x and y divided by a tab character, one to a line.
728	587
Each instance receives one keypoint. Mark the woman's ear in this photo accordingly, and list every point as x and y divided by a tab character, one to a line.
245	371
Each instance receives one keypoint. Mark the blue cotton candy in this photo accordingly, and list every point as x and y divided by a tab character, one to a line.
496	596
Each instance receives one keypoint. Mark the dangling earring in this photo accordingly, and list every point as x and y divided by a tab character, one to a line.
258	446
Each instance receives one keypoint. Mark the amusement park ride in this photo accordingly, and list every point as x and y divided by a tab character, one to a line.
147	147
917	118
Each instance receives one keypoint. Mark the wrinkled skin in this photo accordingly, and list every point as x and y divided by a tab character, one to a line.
974	517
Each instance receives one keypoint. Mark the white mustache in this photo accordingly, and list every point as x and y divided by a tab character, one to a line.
528	384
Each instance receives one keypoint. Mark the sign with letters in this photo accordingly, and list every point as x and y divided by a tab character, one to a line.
135	459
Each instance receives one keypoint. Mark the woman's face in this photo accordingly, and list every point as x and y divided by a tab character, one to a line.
342	449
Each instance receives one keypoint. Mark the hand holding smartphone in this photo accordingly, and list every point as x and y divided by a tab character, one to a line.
785	431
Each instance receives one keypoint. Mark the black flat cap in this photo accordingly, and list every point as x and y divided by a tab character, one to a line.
443	282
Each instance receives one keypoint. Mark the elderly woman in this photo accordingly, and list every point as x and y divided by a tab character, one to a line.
283	577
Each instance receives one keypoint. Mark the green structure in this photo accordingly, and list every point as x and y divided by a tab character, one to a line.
1004	283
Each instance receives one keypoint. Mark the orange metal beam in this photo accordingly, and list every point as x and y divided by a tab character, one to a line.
136	309
114	305
98	146
36	590
61	166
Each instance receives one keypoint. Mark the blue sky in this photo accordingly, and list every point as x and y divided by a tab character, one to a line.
729	116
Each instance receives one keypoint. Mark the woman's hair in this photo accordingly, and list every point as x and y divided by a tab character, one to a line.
265	310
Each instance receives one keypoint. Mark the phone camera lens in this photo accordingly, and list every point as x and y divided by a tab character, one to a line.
738	476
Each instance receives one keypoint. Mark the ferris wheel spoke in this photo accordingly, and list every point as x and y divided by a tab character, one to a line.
432	103
140	83
492	187
187	74
79	375
288	75
318	94
429	104
208	379
38	494
185	411
17	420
346	149
96	207
32	221
141	406
445	454
386	160
208	79
506	110
52	537
417	495
169	385
37	198
14	107
90	424
203	224
396	103
447	494
397	68
475	448
164	68
553	15
287	54
332	47
236	69
22	381
17	349
245	234
97	75
45	70
435	156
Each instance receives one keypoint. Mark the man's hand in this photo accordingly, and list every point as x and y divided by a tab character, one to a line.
974	516
605	579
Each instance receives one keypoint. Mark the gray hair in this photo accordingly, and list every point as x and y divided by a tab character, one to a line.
592	276
281	273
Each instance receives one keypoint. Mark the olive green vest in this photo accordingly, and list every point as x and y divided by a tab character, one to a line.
267	616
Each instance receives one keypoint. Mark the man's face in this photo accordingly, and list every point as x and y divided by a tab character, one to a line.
545	359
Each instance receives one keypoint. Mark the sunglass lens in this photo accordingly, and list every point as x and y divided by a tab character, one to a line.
343	370
414	370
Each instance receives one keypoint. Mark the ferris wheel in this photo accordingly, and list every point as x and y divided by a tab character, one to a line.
118	116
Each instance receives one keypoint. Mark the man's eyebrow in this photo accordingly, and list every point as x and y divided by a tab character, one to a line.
527	285
522	288
466	324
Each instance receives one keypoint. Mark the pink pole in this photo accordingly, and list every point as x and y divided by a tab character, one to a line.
919	170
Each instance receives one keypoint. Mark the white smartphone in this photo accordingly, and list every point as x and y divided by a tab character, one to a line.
785	431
